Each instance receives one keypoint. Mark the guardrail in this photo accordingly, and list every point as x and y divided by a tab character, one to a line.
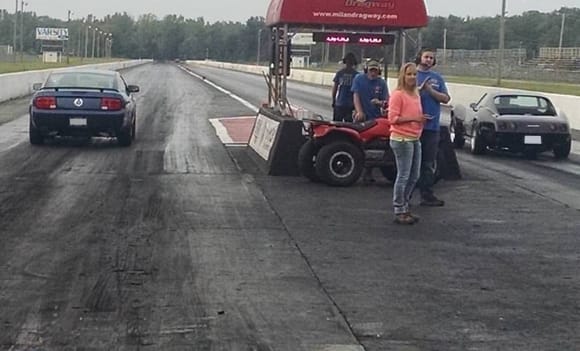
460	93
19	84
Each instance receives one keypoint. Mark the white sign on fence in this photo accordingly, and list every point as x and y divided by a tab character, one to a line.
56	34
302	39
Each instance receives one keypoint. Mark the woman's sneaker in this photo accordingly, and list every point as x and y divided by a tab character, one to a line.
414	216
404	218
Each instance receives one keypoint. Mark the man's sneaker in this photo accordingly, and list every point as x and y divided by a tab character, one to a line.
432	201
404	218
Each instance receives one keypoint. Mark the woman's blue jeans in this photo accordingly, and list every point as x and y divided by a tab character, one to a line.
408	158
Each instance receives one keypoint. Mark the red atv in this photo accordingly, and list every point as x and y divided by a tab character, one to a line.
337	152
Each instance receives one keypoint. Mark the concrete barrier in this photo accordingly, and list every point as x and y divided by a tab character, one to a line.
19	84
460	93
275	142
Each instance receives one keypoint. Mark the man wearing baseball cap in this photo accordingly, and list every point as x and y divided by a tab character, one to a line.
370	95
370	92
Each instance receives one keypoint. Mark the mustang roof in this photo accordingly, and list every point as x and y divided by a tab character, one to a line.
344	14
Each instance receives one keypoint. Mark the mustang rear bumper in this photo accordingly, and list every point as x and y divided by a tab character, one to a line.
79	124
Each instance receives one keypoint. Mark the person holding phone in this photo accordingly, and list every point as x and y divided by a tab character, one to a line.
406	118
369	92
433	92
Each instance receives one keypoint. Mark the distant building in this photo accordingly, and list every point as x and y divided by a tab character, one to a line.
6	50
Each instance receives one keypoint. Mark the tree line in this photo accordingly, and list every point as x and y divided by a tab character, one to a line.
174	36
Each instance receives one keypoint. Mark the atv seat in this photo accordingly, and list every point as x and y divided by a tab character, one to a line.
358	126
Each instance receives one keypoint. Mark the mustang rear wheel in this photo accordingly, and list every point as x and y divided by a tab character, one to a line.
134	129
339	163
34	135
125	137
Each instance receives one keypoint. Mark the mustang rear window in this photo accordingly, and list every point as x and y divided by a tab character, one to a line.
81	80
524	105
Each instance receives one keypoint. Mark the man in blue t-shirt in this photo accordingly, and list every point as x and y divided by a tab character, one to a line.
342	100
433	93
370	95
370	92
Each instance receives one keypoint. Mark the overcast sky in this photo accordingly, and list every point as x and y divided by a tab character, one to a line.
241	10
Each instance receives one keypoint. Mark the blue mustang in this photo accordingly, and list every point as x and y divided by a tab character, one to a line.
83	103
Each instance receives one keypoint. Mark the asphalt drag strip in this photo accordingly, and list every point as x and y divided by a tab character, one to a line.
497	268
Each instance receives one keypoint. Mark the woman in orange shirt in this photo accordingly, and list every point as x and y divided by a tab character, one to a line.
406	118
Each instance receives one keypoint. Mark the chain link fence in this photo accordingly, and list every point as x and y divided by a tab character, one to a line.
484	64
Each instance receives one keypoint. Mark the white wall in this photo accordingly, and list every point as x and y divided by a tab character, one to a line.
19	84
460	93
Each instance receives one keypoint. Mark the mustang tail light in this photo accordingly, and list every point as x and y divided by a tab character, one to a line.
111	104
45	102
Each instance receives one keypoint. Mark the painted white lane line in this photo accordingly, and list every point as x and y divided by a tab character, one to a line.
221	131
227	92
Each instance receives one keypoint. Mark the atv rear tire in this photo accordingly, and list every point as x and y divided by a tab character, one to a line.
307	161
389	172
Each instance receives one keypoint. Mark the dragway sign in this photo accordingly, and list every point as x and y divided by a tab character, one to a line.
52	34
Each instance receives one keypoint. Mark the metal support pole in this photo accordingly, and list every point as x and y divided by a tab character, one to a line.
444	45
285	62
99	44
93	48
395	44
322	55
80	39
87	39
386	64
22	31
501	43
277	66
561	35
403	48
14	34
259	46
65	43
